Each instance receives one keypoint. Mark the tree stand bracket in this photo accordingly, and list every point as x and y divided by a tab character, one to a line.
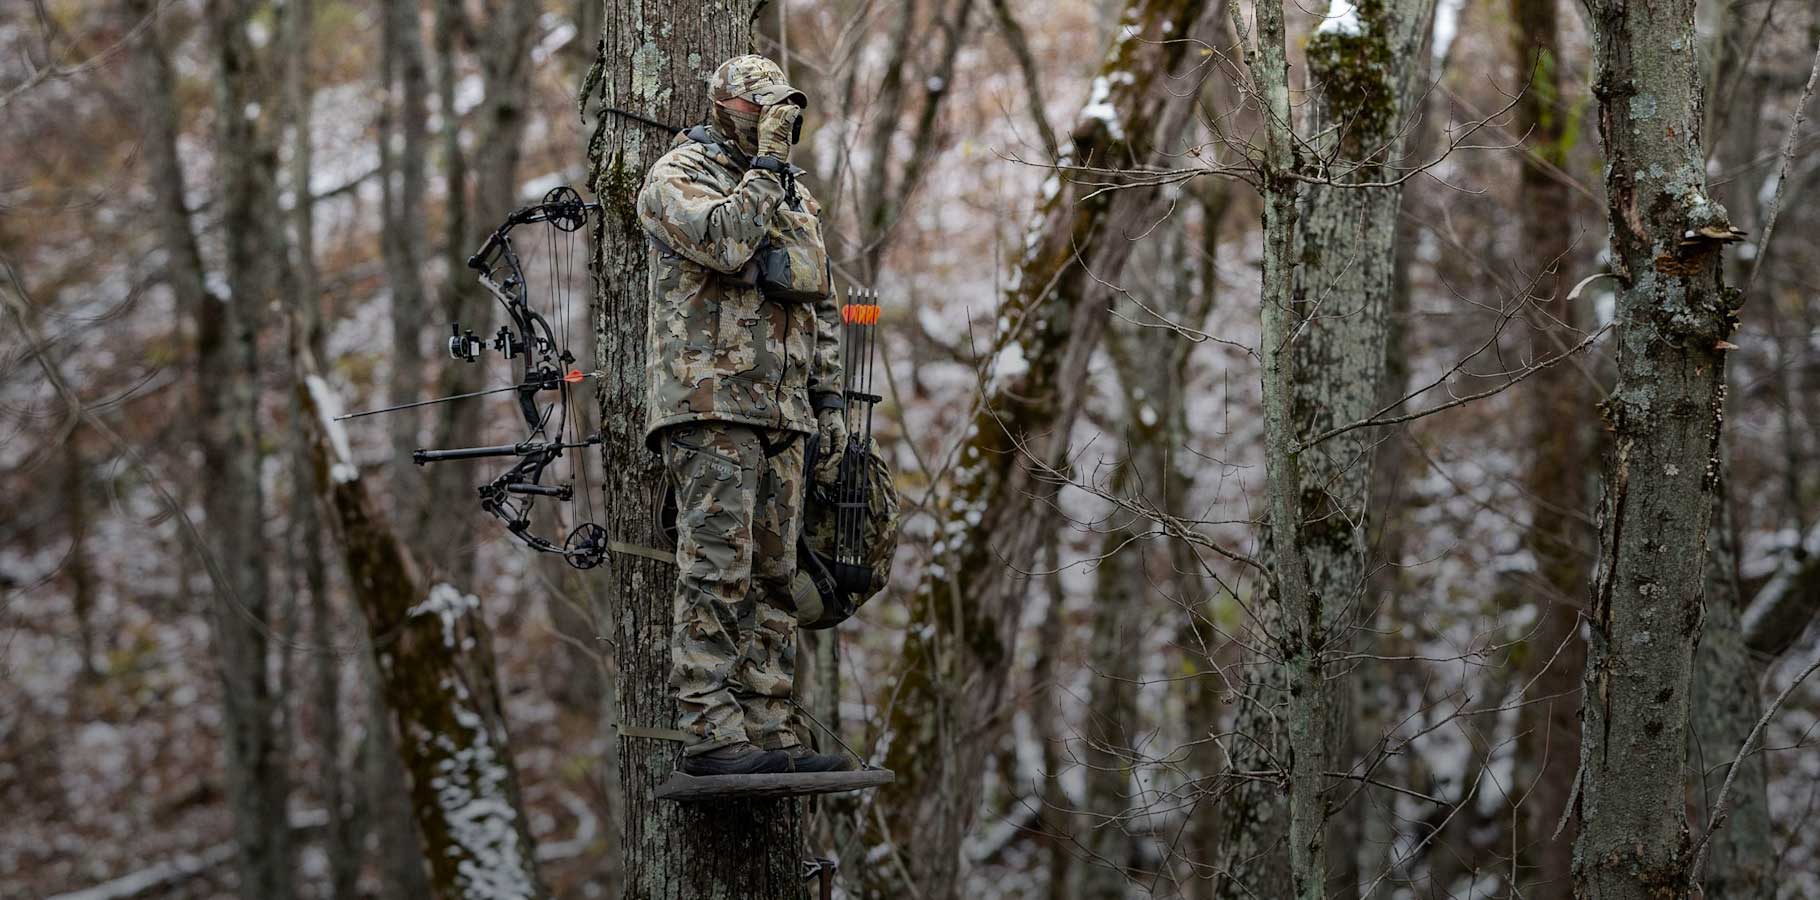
685	788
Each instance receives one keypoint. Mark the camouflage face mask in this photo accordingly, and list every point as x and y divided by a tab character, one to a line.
742	127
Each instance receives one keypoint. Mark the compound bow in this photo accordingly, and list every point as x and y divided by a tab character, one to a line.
543	363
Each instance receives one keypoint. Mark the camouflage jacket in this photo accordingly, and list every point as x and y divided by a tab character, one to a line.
715	348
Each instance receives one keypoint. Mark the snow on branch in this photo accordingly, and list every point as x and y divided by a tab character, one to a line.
328	406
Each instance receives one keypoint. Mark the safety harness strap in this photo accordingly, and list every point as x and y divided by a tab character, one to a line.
656	734
651	553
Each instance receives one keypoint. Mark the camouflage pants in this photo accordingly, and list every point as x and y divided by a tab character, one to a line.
733	643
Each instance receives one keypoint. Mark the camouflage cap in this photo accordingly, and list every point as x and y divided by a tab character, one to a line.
753	78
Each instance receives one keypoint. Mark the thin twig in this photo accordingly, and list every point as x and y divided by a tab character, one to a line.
1374	420
1719	811
1788	158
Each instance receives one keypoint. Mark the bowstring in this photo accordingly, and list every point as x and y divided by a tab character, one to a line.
581	468
560	264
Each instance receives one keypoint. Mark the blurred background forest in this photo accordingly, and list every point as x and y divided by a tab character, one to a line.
197	197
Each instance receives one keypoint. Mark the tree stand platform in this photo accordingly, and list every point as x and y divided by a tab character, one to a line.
684	788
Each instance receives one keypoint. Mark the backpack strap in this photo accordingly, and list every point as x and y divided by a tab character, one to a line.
701	135
785	172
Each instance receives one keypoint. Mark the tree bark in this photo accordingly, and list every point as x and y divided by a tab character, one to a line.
947	710
227	369
402	152
1140	577
1674	313
503	41
1727	703
1297	625
1329	274
257	783
1562	441
1345	284
655	59
402	873
435	663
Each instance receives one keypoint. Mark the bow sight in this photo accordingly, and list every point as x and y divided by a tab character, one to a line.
542	363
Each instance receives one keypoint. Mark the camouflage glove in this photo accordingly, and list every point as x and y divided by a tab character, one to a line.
776	126
833	424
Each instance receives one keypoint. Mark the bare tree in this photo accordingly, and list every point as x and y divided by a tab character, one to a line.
227	331
1142	571
435	660
502	39
402	138
945	713
1674	314
1561	438
1323	345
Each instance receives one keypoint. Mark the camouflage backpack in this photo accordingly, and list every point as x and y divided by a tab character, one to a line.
835	572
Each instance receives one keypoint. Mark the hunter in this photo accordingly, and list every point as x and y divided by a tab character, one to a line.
743	366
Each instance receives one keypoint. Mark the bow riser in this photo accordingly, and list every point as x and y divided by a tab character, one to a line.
528	341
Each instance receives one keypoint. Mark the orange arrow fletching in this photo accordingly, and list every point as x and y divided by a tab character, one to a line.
860	314
574	376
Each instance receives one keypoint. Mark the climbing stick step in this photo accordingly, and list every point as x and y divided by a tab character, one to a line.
684	788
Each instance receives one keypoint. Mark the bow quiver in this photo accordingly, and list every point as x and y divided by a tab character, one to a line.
849	531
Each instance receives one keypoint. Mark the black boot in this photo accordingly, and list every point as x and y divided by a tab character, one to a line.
802	759
735	759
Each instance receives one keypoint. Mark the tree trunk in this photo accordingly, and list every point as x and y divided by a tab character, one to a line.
402	873
1116	651
257	782
344	835
1344	292
1294	620
227	369
1562	441
1674	313
402	152
1140	578
81	570
1727	703
1053	819
1393	683
435	661
1329	273
655	59
503	41
947	711
1201	685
